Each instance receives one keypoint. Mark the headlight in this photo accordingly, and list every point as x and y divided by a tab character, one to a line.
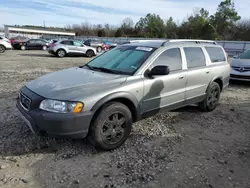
61	106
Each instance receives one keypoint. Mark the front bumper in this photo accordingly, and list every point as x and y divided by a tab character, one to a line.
69	125
242	76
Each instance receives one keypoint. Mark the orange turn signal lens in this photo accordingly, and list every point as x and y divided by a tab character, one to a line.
78	108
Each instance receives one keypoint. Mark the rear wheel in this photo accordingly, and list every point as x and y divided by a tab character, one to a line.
212	98
112	126
2	48
23	48
99	49
61	53
90	53
44	48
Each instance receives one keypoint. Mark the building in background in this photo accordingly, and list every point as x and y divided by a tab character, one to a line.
36	32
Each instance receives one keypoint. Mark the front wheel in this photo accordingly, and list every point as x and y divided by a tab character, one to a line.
23	48
2	49
212	98
112	126
44	48
90	53
99	49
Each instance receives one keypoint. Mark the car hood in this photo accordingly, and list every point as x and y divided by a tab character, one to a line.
240	62
73	83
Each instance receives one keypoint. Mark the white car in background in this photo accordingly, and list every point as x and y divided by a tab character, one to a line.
4	44
240	67
71	47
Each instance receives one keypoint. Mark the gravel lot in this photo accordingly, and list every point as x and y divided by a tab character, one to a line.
179	149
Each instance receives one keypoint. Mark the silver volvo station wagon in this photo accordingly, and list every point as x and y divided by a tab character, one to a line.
103	98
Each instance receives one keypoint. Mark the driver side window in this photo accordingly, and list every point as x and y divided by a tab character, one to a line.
171	58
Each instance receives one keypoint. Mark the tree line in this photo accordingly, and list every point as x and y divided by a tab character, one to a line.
224	24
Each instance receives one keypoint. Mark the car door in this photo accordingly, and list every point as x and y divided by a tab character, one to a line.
79	47
70	45
40	44
167	91
198	73
31	44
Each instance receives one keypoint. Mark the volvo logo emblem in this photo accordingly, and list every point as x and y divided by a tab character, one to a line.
241	69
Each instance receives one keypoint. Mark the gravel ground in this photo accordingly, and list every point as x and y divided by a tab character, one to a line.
179	149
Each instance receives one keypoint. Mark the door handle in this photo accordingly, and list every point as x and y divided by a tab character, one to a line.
181	77
207	72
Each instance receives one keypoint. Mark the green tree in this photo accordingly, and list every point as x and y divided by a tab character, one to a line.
119	33
151	26
101	33
223	21
197	26
171	29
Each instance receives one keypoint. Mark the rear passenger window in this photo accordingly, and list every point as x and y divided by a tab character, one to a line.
67	42
195	57
171	58
216	54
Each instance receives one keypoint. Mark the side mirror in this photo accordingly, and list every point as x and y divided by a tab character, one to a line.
159	70
235	57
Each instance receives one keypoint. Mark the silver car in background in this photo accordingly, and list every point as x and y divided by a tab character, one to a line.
71	47
240	67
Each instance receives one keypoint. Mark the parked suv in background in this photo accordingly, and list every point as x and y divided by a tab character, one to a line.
71	47
98	44
240	67
104	97
4	44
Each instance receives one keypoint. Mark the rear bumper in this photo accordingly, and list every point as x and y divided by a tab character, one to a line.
74	126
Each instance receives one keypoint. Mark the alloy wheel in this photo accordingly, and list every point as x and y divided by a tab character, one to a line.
213	97
113	128
2	49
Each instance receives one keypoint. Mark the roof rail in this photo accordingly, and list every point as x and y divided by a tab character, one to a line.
189	40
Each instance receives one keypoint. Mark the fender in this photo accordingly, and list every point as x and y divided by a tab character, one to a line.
120	95
215	78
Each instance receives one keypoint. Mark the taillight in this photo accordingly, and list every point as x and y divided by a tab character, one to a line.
227	58
53	45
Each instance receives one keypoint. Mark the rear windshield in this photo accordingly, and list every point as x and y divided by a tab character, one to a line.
124	59
216	54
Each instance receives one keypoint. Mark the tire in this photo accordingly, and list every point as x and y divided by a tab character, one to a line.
44	48
2	48
99	49
90	53
23	48
61	53
212	98
111	127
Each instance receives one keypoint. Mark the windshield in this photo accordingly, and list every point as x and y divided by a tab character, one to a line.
245	55
124	59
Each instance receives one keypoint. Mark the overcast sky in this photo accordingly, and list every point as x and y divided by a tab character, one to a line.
62	12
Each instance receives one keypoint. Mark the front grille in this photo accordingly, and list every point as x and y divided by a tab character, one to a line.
239	76
241	69
25	101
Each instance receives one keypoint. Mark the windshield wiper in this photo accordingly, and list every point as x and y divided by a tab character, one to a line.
105	70
90	67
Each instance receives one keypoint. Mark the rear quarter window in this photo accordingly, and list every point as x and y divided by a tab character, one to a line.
216	54
67	42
